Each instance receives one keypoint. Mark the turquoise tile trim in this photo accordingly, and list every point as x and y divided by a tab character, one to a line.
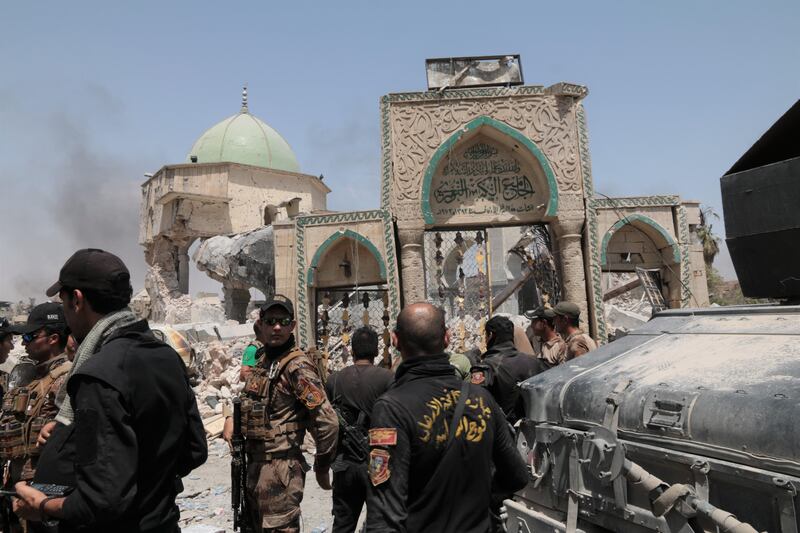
347	234
392	274
630	219
447	146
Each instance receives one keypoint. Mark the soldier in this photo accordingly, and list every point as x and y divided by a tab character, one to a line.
437	443
282	398
128	428
250	355
552	348
353	391
503	367
28	408
567	320
6	345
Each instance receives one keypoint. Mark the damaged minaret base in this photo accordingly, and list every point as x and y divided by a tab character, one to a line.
239	262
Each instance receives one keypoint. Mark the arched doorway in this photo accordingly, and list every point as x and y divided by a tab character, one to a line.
637	241
348	288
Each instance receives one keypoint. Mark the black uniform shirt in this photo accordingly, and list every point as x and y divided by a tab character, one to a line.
419	484
509	367
356	387
353	391
136	432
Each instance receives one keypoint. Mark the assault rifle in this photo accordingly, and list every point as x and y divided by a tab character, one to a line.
241	513
354	438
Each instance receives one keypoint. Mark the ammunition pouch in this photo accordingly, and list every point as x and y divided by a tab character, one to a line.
254	423
12	440
16	402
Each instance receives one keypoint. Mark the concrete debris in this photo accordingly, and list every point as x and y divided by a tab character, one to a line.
207	308
242	261
197	528
627	311
167	303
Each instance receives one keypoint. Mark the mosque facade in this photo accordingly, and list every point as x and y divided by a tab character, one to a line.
487	204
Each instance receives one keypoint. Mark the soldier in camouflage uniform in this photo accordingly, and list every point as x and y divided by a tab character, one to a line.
567	320
28	408
283	397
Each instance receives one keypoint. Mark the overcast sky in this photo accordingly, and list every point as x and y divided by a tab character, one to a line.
95	94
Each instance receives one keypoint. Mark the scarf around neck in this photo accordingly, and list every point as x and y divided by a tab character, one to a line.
98	335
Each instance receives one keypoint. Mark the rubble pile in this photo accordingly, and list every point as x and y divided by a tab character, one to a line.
627	311
166	303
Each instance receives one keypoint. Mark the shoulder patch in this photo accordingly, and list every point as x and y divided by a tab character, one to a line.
311	396
383	437
379	466
478	377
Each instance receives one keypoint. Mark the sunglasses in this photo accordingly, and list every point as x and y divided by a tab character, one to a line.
272	321
27	338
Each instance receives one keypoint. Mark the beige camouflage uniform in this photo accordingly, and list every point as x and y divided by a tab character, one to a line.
579	343
283	398
554	351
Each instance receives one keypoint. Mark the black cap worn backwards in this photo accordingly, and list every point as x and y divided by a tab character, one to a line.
281	301
540	312
46	314
93	269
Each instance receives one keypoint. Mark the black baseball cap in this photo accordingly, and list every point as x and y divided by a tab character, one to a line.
281	301
96	270
46	314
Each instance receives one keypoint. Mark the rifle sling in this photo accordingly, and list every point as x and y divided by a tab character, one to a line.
459	411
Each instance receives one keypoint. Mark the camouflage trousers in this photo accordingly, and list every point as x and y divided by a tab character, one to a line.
275	490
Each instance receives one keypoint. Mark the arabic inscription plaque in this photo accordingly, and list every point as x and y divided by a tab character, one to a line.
485	182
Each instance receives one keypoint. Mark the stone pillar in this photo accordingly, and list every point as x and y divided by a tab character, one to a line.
183	268
167	303
573	273
236	301
412	261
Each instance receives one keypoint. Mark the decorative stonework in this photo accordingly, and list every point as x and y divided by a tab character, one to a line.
389	262
415	125
595	271
475	175
635	202
686	266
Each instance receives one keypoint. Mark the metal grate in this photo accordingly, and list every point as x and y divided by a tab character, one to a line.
341	311
457	279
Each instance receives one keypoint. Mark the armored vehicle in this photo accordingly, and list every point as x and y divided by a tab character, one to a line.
689	424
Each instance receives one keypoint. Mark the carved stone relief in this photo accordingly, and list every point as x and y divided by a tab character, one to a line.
419	128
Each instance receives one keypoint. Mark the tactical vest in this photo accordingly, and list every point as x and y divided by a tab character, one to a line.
259	390
21	420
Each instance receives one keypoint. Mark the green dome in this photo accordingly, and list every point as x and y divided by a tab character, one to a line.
244	139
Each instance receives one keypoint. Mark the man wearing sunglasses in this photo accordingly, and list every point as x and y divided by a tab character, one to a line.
27	409
283	398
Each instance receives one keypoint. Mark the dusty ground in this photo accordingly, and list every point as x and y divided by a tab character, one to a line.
206	499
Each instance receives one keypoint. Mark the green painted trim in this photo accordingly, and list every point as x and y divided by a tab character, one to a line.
303	304
336	237
637	201
595	277
481	121
629	219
